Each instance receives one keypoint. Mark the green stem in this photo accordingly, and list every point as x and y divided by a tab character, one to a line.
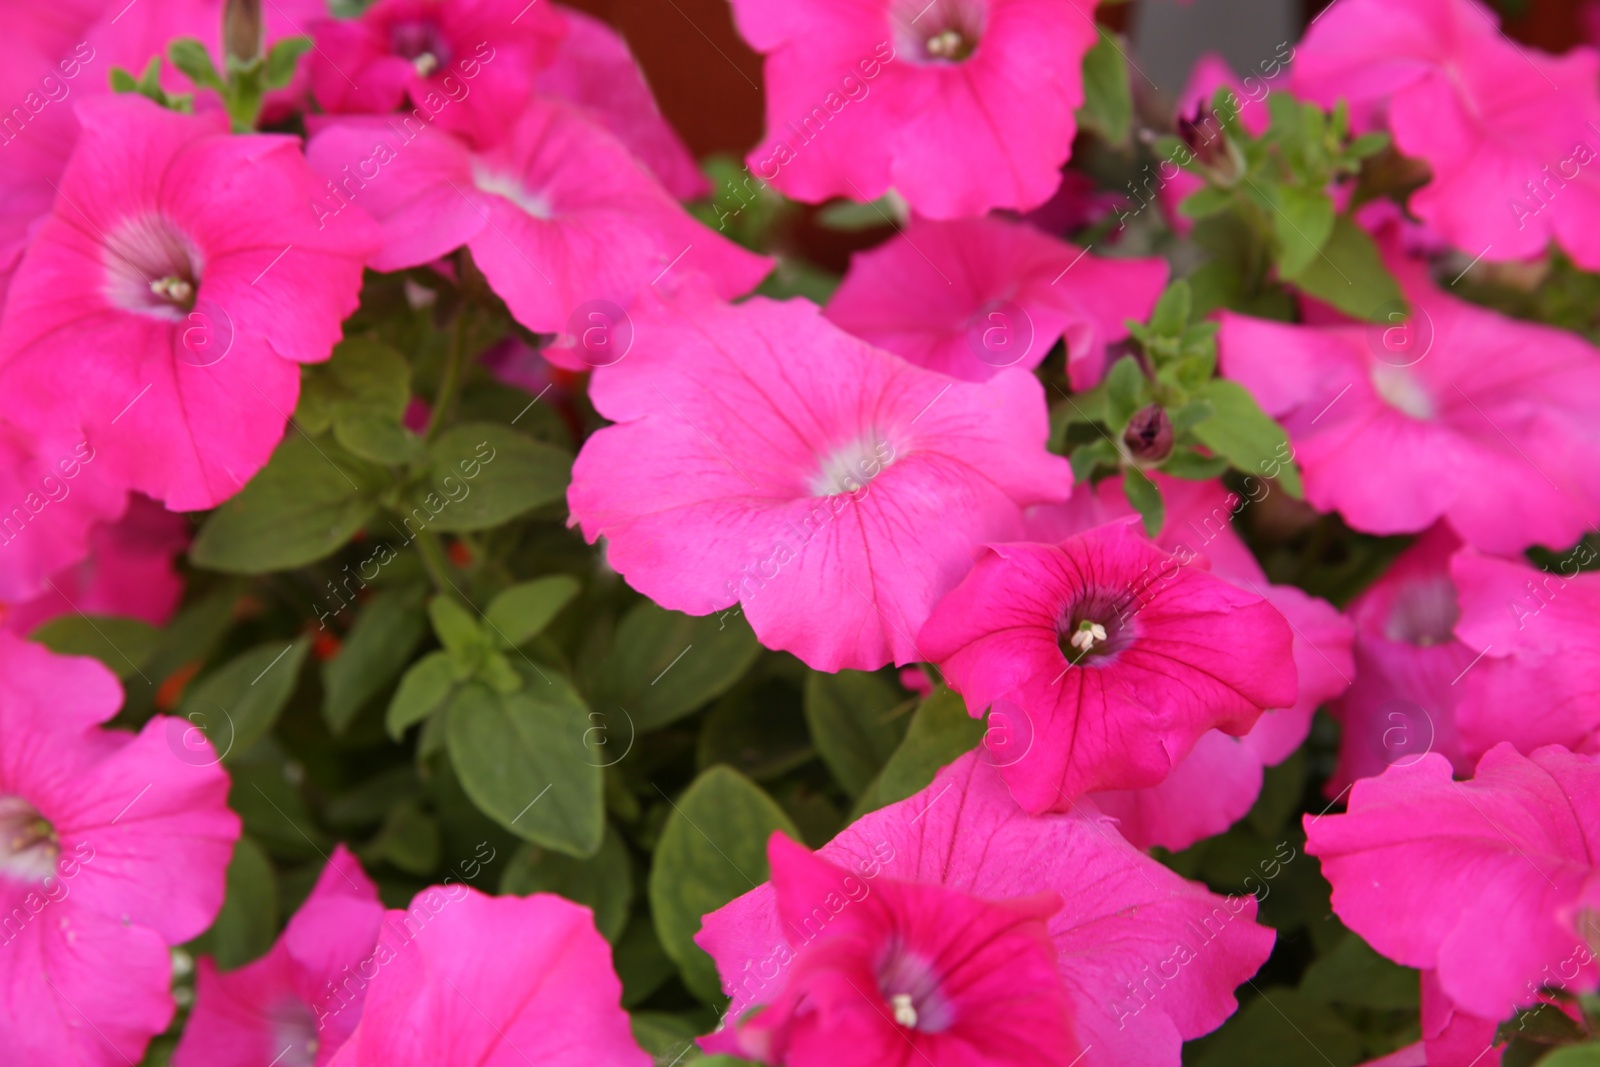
450	385
435	562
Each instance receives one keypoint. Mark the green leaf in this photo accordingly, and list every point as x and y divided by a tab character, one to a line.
1368	144
423	690
1171	312
523	759
365	376
759	730
663	664
1357	977
940	732
191	57
641	962
409	839
301	507
373	654
665	1036
1573	1056
1247	436
849	216
1302	221
603	883
1279	1028
1145	497
857	721
248	922
124	645
122	81
457	629
1189	463
519	613
1350	275
1205	202
377	438
1126	390
713	848
282	58
237	704
1107	98
482	475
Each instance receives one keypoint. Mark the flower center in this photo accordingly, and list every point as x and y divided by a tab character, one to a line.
152	268
28	843
1424	613
294	1035
1401	391
1094	627
911	988
938	31
422	42
499	183
850	468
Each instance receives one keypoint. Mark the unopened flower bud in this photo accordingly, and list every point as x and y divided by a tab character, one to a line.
1148	437
241	29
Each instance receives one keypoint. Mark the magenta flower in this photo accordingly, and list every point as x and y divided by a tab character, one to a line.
559	216
1533	635
1216	784
492	981
1488	882
52	496
129	571
958	105
970	297
295	1006
1408	660
765	458
595	70
1117	656
961	930
113	847
1508	131
465	64
166	303
1460	413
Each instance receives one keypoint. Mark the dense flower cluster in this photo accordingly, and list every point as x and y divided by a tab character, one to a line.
1039	568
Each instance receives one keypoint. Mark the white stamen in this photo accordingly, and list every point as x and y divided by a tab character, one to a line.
1088	633
425	64
174	289
946	44
905	1012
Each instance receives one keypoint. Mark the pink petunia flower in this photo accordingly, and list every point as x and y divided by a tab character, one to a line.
129	571
491	981
955	928
1510	132
165	305
958	105
113	847
1408	661
298	1004
52	497
765	458
1488	882
561	219
1216	784
1452	1037
1458	413
1532	633
1117	655
60	53
970	297
595	70
465	64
